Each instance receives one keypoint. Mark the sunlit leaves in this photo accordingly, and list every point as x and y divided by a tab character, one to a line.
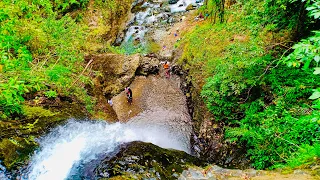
315	94
37	50
305	52
314	9
11	96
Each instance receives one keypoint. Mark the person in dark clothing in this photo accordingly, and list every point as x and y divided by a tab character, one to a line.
129	94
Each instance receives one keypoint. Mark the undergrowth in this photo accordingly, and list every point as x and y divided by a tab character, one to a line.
241	69
42	48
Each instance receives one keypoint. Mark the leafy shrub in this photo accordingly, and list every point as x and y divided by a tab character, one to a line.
37	50
306	155
244	83
272	135
11	96
51	94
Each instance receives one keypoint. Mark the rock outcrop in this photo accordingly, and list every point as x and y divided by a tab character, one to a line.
140	160
214	172
117	71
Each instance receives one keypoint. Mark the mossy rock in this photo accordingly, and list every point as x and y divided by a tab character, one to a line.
16	150
17	137
145	160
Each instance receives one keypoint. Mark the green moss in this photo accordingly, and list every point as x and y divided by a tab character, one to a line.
32	112
153	47
18	136
16	150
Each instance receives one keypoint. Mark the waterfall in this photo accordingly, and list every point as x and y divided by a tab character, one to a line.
76	143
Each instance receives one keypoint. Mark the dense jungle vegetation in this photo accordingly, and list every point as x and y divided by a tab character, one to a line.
257	65
42	48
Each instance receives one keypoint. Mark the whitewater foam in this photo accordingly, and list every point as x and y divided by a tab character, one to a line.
79	142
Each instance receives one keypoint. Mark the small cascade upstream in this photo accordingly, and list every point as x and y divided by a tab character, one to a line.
68	151
152	16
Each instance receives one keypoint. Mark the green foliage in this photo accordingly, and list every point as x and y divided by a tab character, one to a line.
272	135
306	155
11	97
314	9
65	6
214	9
286	13
265	103
307	52
41	51
51	94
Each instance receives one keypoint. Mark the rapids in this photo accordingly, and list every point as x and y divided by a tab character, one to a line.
154	15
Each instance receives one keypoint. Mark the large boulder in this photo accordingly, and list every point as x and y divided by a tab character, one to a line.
148	65
145	160
116	72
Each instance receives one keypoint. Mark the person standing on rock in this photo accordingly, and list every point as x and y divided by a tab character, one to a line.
166	68
129	94
110	102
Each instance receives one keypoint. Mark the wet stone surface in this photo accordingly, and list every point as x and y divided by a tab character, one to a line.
157	101
150	21
146	161
214	172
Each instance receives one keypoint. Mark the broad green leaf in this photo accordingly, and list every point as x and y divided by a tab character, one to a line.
315	95
316	15
316	70
317	58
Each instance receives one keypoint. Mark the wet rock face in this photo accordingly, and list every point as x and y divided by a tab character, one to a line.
173	1
17	137
117	71
145	160
148	65
158	101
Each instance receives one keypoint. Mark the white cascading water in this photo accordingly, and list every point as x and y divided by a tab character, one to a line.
153	14
79	142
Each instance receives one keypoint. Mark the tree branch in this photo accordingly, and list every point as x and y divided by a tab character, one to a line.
88	64
265	71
